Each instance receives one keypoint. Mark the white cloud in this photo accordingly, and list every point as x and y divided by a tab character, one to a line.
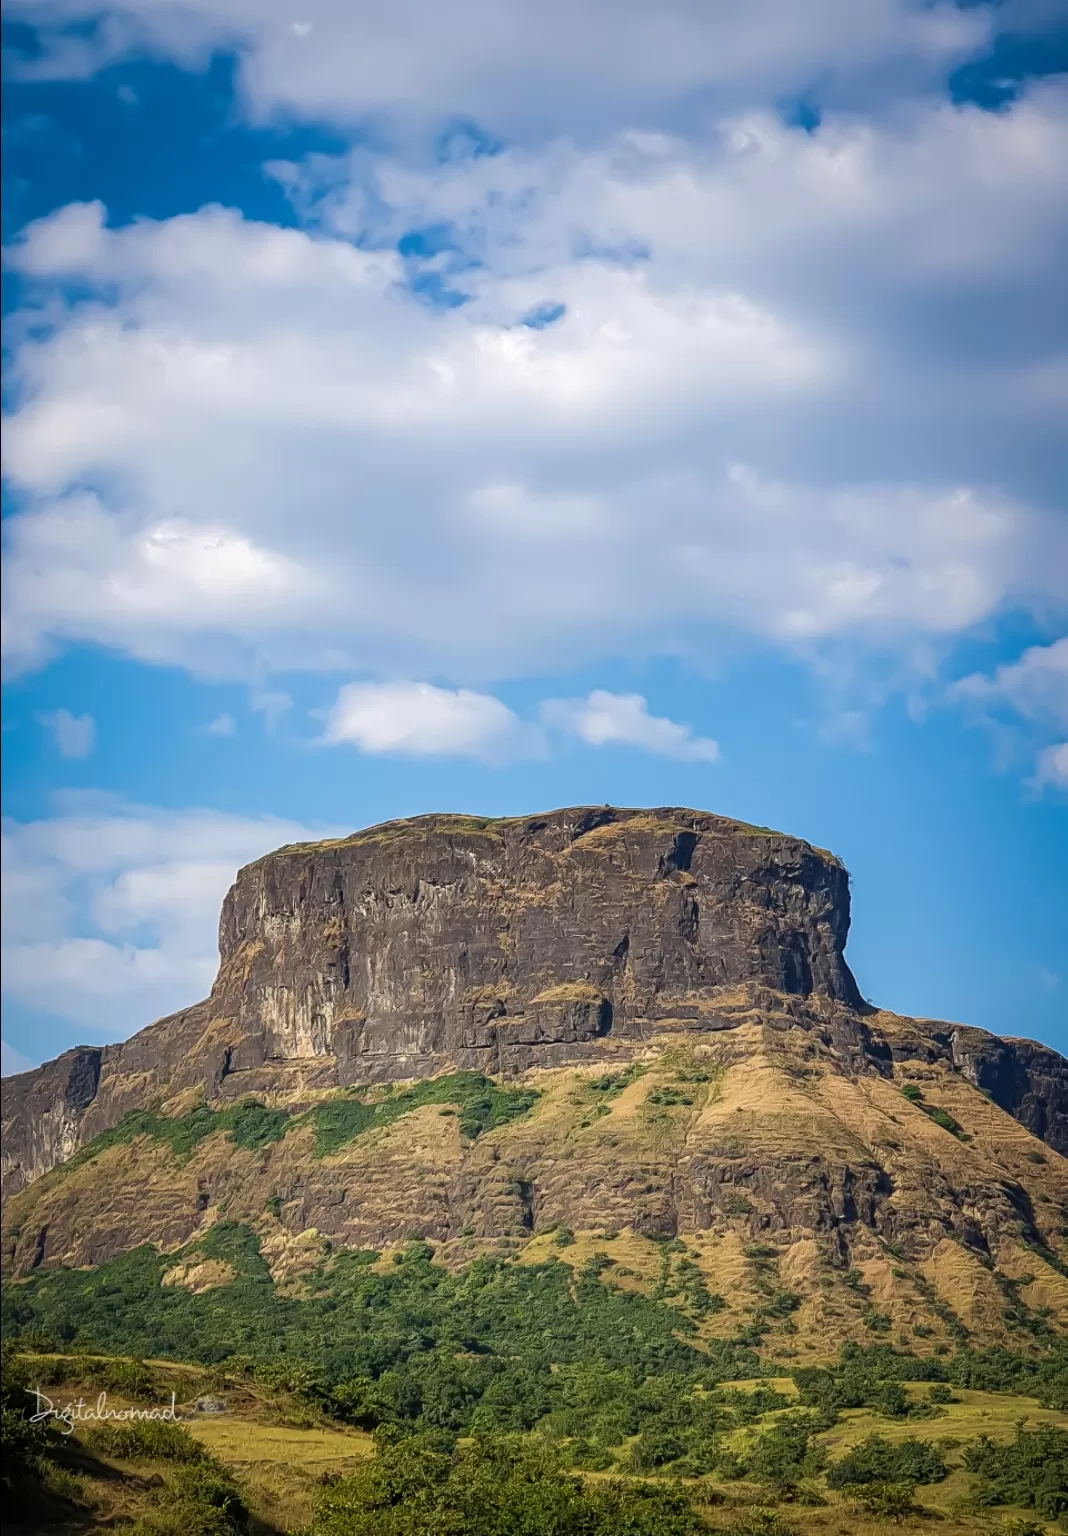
222	725
111	910
77	573
623	719
794	390
419	720
576	65
1035	686
1052	766
75	735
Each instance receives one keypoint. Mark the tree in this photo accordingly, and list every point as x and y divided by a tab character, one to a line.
891	1501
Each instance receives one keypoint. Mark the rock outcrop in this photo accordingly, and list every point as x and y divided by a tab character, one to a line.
1028	1080
449	941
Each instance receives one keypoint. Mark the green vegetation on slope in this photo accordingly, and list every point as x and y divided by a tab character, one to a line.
1031	1471
942	1117
878	1460
620	1382
684	1456
494	1346
45	1474
493	1486
249	1123
873	1377
481	1104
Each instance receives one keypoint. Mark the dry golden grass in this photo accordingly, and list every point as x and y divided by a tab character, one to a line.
245	1442
200	1276
567	992
281	1468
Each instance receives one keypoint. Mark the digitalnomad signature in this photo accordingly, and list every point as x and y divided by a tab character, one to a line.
78	1411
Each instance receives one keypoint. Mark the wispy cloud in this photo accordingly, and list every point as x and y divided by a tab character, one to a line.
74	735
1033	688
622	719
111	910
1052	766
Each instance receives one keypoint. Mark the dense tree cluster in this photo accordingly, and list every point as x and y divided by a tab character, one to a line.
1031	1470
425	1486
878	1460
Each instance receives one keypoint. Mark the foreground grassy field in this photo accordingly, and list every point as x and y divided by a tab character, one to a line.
281	1456
278	1458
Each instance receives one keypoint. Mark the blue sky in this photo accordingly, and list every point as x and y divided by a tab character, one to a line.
493	407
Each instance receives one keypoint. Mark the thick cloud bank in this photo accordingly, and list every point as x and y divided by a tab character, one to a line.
778	382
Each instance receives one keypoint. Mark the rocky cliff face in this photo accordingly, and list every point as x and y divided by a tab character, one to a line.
698	960
445	939
1025	1078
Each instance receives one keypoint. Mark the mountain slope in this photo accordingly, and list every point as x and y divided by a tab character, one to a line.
637	1025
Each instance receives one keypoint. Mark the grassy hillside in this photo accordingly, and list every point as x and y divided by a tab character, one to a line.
272	1462
385	1392
780	1175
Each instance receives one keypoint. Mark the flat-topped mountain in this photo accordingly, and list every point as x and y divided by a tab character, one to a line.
472	1030
455	941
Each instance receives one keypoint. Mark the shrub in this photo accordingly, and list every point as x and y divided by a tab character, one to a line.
877	1460
891	1501
891	1400
145	1440
22	1444
655	1448
199	1499
942	1117
761	1522
588	1455
784	1453
668	1097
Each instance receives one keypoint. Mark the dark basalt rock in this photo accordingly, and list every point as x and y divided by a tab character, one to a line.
1021	1076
